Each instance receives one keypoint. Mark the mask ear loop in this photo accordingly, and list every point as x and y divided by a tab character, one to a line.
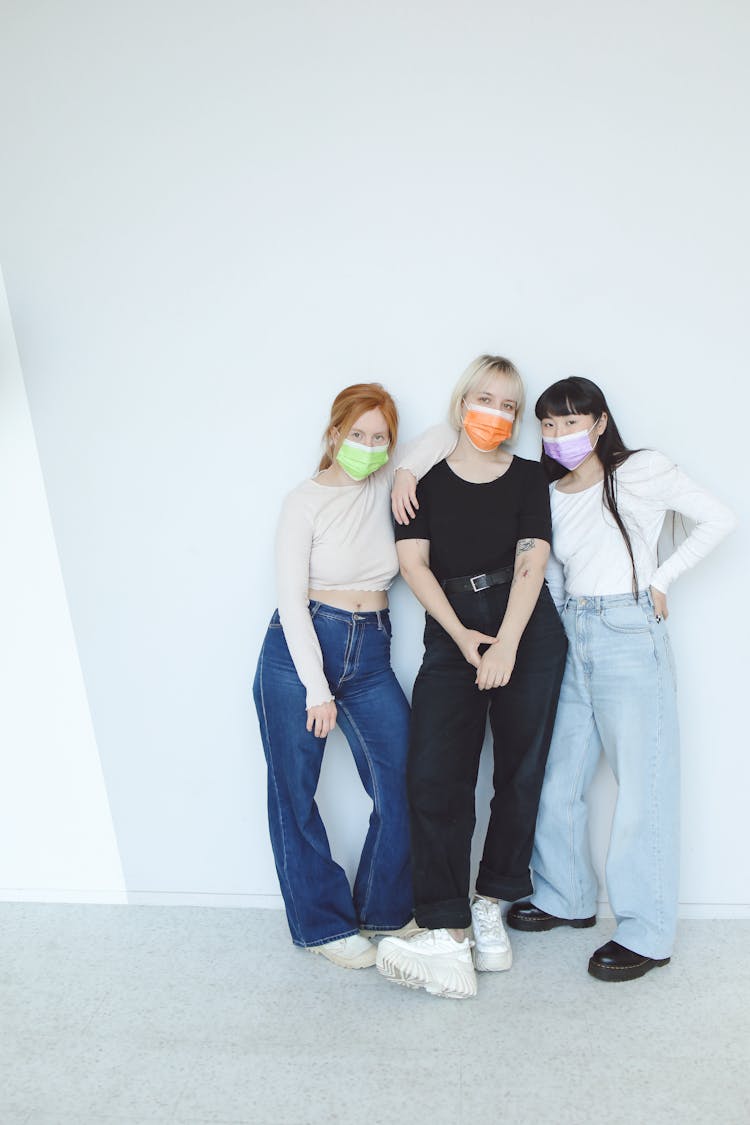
596	423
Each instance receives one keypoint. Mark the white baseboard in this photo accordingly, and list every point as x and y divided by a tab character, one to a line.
55	895
198	898
139	898
699	910
694	910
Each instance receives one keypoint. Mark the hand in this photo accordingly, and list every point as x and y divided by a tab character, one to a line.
404	496
496	666
469	641
660	603
322	718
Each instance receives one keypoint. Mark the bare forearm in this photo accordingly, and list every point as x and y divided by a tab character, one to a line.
528	576
425	586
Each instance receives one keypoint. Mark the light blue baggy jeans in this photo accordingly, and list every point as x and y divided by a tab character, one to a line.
618	694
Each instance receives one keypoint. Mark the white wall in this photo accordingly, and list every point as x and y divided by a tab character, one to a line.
56	832
212	217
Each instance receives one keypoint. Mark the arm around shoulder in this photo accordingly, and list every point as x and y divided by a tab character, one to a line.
412	462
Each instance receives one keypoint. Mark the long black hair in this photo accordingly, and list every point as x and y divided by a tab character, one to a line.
577	395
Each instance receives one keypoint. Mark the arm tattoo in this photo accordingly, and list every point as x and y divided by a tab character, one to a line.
525	545
522	546
522	573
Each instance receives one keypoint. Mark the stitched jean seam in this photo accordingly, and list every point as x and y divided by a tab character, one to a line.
376	803
279	806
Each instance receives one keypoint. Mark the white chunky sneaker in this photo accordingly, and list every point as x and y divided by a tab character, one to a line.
492	951
406	930
353	952
432	960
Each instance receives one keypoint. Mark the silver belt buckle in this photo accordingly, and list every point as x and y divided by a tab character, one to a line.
475	579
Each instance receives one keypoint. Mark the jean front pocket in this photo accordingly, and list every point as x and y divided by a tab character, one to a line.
626	619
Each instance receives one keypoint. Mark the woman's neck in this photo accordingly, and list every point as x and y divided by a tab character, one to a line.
335	477
474	465
588	473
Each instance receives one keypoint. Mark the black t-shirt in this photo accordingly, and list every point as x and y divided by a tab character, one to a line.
474	528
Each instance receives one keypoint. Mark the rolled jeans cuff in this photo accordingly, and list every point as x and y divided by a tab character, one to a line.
452	914
506	887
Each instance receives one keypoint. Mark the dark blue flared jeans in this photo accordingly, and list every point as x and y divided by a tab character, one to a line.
374	716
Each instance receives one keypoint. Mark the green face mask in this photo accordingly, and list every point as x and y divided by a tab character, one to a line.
358	461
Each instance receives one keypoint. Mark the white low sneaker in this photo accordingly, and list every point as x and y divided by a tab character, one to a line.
432	960
492	951
353	952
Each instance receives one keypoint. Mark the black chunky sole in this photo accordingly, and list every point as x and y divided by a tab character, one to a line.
539	925
625	972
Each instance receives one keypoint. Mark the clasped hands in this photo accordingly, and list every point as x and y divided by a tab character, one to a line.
494	666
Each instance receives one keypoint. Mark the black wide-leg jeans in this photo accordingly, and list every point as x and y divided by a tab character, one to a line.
449	717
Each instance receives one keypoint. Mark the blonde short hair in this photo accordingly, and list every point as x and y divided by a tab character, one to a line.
478	374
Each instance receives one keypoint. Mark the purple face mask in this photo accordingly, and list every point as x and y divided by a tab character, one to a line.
571	450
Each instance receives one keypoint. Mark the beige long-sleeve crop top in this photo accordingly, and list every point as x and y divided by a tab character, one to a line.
341	538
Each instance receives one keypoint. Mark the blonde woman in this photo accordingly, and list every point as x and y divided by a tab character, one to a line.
475	557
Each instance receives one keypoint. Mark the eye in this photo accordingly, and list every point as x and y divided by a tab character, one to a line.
355	434
380	438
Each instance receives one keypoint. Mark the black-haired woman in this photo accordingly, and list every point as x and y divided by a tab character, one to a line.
618	694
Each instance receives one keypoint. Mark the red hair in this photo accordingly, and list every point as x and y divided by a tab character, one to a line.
349	405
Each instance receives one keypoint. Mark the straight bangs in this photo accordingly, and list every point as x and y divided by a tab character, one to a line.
569	396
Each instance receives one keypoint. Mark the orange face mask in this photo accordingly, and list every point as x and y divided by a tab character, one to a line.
487	428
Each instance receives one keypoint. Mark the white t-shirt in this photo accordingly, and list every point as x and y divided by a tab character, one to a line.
589	557
341	538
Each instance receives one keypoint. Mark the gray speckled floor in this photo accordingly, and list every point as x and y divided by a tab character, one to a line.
189	1015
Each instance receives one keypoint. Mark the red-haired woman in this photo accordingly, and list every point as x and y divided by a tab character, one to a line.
326	660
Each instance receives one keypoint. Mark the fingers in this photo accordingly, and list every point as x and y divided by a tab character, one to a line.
321	720
659	602
323	727
404	509
487	682
471	649
496	666
404	503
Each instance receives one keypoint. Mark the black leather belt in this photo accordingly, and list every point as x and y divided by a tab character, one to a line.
478	582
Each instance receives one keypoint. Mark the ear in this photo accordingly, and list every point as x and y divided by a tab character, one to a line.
602	423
